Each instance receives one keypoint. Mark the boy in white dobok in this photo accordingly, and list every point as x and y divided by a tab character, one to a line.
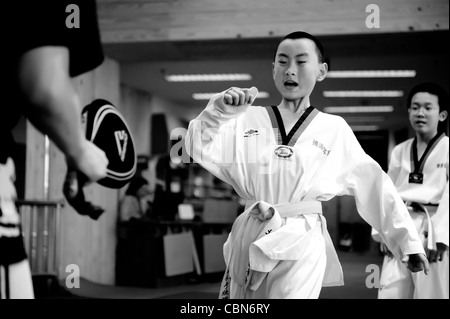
284	161
419	169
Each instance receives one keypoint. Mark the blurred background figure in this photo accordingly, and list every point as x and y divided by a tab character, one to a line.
134	204
419	170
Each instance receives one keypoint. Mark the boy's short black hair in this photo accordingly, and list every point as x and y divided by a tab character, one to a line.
431	88
304	35
434	89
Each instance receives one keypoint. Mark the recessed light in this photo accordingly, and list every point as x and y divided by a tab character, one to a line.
365	119
381	93
359	109
208	77
372	74
365	127
207	96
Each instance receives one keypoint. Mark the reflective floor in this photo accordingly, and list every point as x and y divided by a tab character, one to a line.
360	273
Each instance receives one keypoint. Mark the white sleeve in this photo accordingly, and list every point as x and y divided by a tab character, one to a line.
210	139
395	164
440	219
378	202
393	172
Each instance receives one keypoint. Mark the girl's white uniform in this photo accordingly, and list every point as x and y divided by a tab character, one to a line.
280	247
430	217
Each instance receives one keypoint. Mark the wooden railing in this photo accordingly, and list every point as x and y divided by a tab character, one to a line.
40	230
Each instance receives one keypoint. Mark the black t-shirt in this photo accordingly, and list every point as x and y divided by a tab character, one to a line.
31	24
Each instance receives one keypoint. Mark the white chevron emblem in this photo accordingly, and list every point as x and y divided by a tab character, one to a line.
121	141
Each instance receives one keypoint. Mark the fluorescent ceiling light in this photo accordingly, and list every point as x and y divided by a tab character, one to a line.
363	93
372	74
263	95
202	96
359	109
365	119
360	128
207	96
208	77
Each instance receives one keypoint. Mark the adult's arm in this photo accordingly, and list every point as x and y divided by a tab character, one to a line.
52	105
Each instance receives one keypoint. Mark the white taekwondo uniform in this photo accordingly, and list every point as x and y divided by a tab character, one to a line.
428	205
279	247
15	272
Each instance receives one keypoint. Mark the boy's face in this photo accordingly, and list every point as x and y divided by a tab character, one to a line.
297	68
424	114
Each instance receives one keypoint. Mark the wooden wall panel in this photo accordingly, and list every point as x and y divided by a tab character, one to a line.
76	230
106	85
150	20
35	154
136	107
89	244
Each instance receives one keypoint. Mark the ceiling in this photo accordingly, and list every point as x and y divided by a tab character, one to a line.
143	66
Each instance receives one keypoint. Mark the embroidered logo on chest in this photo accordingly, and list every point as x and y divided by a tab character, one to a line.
442	165
321	147
284	151
251	132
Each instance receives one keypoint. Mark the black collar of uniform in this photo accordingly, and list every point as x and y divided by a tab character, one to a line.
286	138
417	165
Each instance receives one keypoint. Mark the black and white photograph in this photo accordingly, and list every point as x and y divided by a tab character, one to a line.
224	158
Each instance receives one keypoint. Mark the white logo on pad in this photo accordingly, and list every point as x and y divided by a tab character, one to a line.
121	141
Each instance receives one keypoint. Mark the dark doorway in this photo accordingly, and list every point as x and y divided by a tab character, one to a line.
375	144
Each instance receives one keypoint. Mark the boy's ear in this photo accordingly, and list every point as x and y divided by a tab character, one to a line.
322	72
443	116
273	70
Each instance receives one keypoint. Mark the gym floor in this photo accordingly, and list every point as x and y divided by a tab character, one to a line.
354	264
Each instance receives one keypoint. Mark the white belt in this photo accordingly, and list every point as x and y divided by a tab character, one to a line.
245	248
422	208
289	209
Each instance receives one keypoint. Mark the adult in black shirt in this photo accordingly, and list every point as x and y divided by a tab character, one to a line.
47	43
